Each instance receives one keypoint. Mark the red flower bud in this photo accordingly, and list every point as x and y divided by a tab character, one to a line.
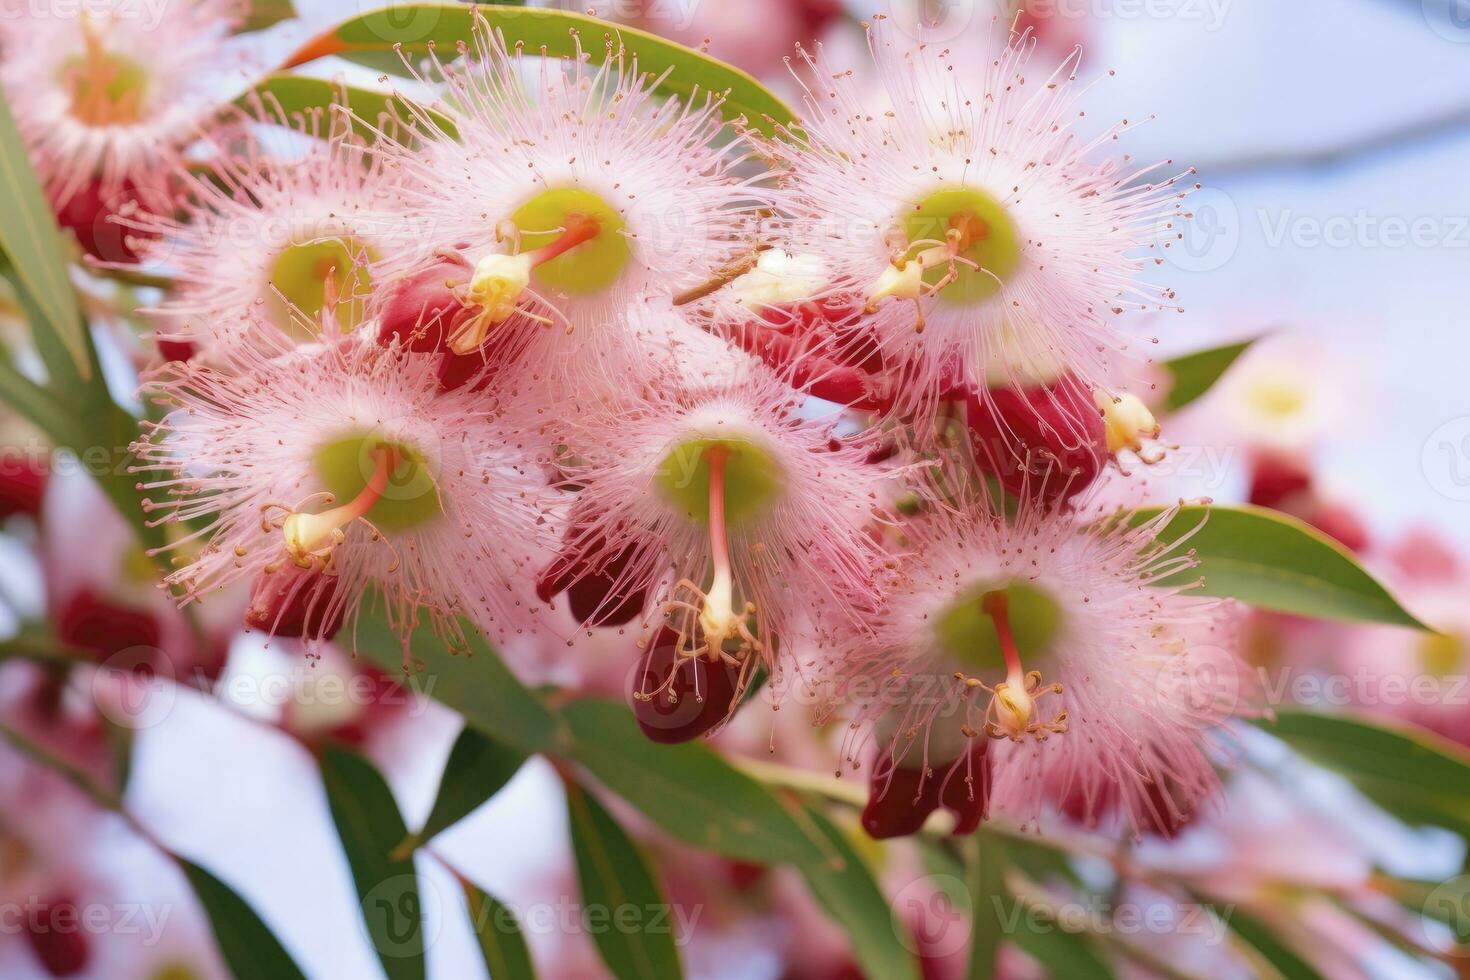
421	311
92	623
22	483
90	215
295	602
900	799
1046	441
54	929
701	696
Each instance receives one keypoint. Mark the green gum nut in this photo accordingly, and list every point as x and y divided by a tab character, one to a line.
590	267
298	281
753	480
990	237
411	497
967	633
102	84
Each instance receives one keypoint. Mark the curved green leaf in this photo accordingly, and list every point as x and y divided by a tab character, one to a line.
688	790
266	13
634	934
501	942
419	26
295	96
844	885
31	240
990	902
1194	374
370	827
476	683
1273	561
249	948
1408	771
1285	961
478	768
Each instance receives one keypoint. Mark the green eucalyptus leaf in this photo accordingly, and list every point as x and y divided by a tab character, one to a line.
370	828
266	13
478	768
287	98
32	242
990	903
842	883
1195	374
247	945
1407	770
1280	957
1273	561
501	941
417	27
634	934
688	790
475	682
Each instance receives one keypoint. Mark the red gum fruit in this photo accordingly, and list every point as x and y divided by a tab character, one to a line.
57	938
176	350
806	369
1163	817
898	806
88	214
688	717
1275	477
22	483
422	313
295	602
588	592
1048	441
92	623
1284	483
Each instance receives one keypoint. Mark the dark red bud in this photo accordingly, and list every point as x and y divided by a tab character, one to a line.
90	214
89	622
1275	477
421	311
591	595
701	697
177	350
295	602
1162	816
1047	441
22	482
901	799
54	929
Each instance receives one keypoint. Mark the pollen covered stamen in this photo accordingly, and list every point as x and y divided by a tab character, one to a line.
707	622
1013	704
1130	425
310	538
499	282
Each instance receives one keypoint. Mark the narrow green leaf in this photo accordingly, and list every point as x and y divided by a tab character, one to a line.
418	26
370	827
248	946
1409	771
1273	561
266	13
31	240
476	683
843	884
624	909
33	403
501	942
1288	964
688	790
989	901
1194	374
478	768
295	96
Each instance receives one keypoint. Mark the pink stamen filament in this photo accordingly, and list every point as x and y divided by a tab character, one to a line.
307	534
579	228
996	605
